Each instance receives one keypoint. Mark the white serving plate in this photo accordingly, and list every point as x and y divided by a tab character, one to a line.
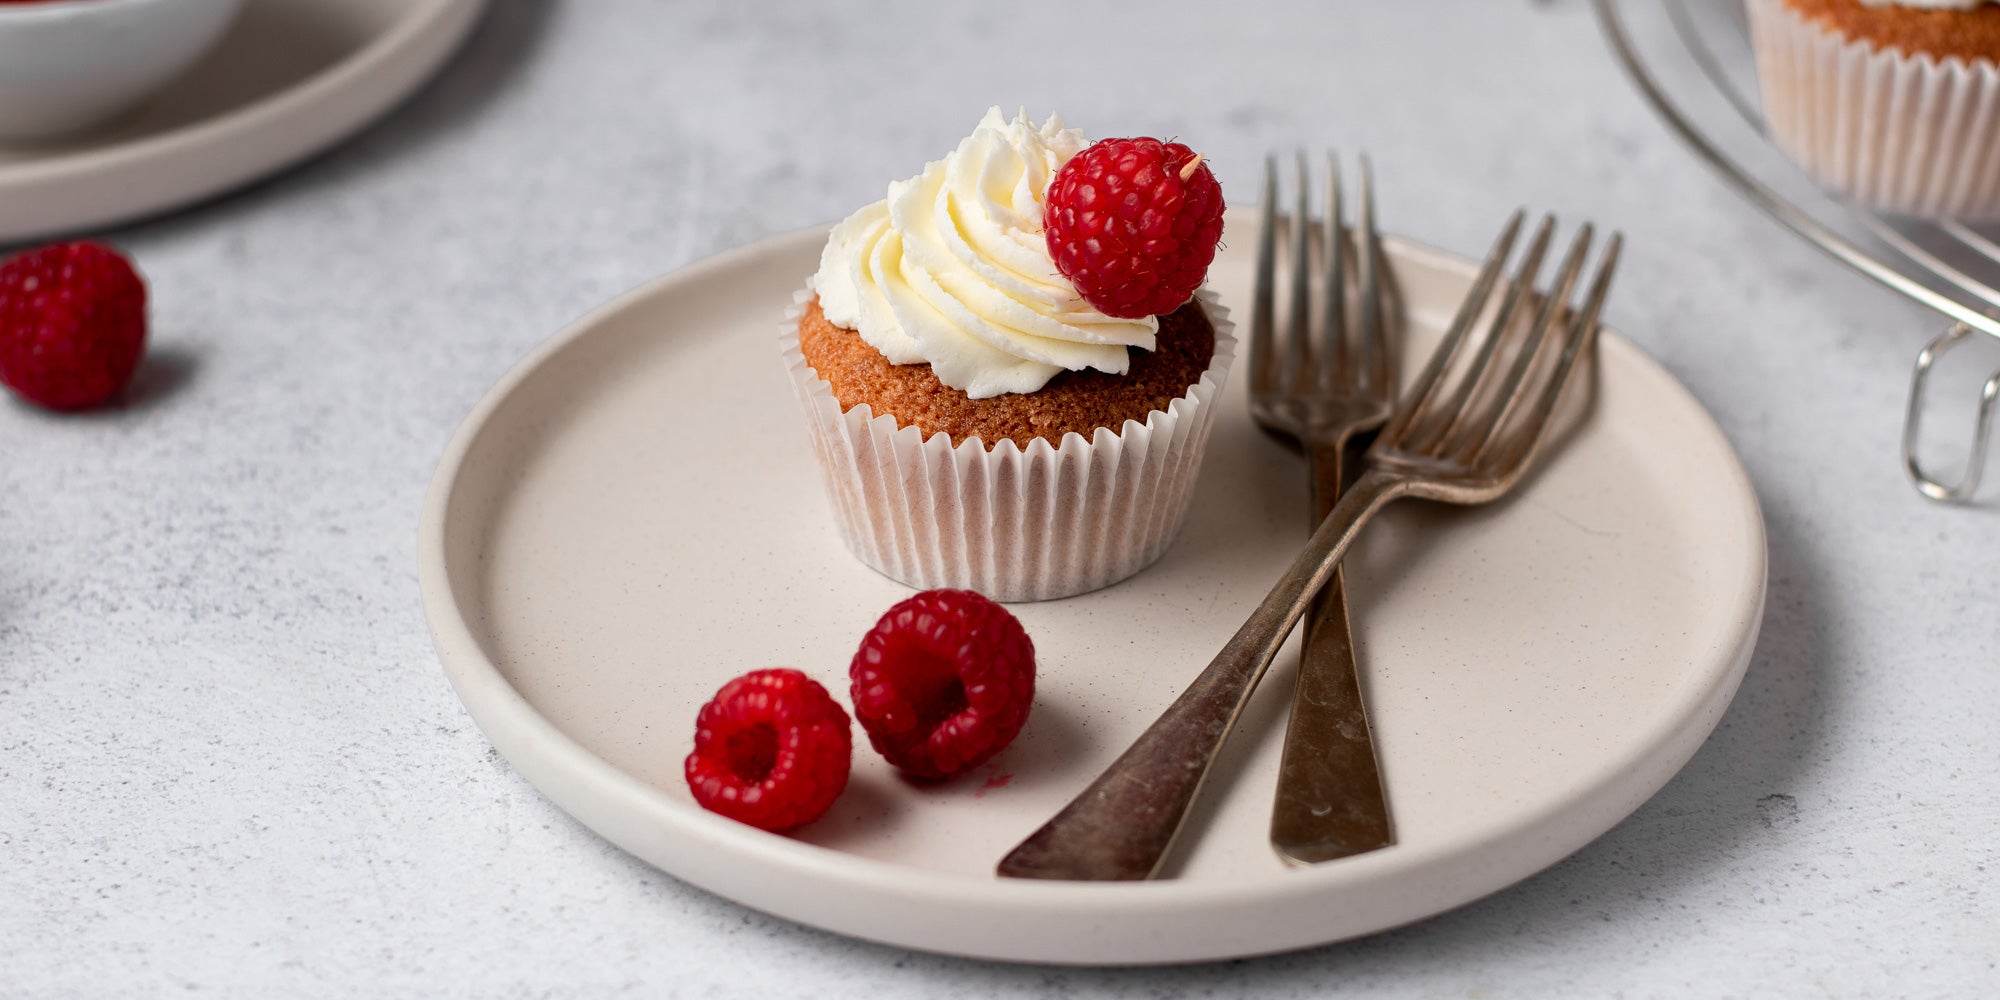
291	78
632	517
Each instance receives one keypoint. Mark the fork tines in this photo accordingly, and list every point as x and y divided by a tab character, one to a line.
1493	412
1345	355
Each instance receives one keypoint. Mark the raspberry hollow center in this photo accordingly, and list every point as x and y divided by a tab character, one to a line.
939	695
753	751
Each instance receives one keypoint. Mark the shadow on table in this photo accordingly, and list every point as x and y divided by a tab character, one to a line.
506	38
162	373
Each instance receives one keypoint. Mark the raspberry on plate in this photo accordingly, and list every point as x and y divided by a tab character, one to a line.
943	682
72	324
771	749
1133	224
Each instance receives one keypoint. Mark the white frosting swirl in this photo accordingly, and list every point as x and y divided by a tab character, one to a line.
952	269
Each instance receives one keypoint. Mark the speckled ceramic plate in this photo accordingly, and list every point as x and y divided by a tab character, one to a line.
291	78
632	517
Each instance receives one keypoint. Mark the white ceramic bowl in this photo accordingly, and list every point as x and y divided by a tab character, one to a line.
70	64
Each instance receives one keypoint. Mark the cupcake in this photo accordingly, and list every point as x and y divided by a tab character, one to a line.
1893	105
986	419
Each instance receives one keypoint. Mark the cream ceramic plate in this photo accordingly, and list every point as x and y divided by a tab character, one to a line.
291	78
632	517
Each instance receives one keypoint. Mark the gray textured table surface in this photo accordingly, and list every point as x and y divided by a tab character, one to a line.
228	759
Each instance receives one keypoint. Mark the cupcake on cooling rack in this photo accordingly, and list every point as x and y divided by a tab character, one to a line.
1008	372
1895	105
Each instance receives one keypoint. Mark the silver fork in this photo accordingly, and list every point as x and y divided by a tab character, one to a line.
1464	434
1321	394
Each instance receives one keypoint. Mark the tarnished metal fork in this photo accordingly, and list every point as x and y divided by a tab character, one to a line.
1466	433
1321	392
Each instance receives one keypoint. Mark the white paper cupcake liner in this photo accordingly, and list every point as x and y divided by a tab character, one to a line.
1910	135
1015	524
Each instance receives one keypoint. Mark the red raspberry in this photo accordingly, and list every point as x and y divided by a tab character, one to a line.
943	682
1133	224
72	324
771	750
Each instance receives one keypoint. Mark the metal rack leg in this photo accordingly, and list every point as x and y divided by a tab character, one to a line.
1975	462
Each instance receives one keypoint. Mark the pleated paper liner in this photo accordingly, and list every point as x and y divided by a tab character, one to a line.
1015	524
1908	135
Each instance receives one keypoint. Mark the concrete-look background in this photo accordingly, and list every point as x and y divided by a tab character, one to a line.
230	764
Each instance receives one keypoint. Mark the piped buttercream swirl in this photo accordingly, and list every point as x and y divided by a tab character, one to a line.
952	269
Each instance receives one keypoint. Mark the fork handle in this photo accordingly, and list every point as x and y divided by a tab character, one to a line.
1329	803
1121	826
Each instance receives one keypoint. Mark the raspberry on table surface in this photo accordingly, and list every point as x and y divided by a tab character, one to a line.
943	682
771	749
72	324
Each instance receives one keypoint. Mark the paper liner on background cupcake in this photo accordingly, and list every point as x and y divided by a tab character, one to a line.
1014	524
1907	134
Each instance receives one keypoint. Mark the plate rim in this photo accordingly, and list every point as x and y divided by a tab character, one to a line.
369	76
542	752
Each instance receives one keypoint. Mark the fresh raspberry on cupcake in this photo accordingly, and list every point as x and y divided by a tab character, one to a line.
1134	224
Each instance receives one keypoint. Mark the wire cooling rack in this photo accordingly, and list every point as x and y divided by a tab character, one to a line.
1692	63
